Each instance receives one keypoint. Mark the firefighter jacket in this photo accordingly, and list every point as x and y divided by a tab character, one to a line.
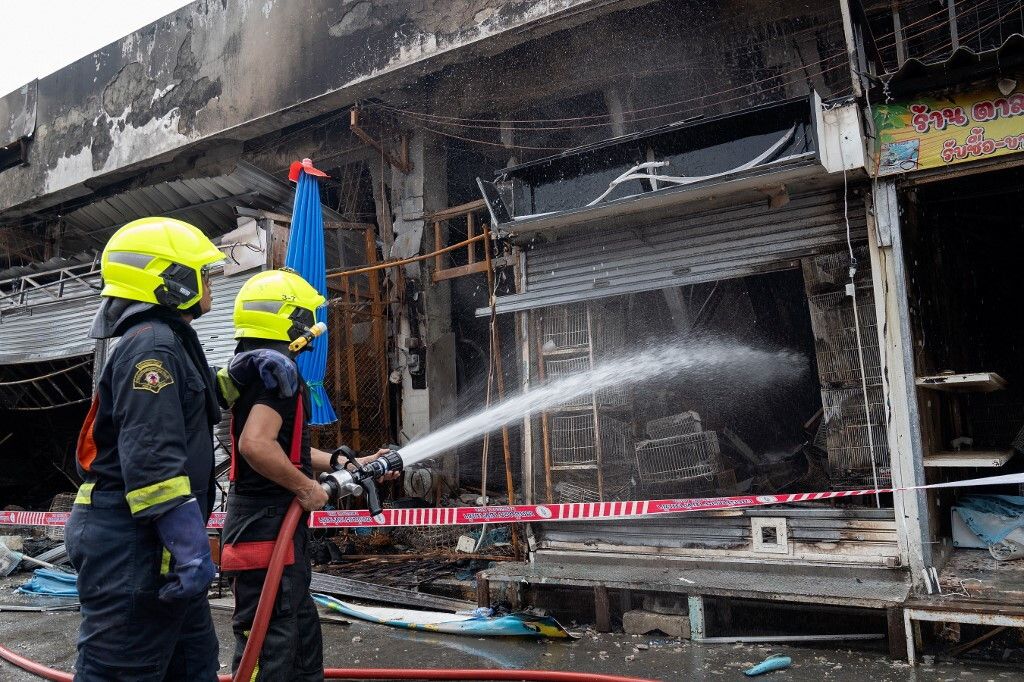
148	434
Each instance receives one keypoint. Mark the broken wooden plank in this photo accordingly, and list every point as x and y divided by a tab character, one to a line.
457	211
346	587
460	270
483	592
968	458
964	648
602	609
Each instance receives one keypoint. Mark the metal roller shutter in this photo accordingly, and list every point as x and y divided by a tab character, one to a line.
216	332
696	247
48	330
216	329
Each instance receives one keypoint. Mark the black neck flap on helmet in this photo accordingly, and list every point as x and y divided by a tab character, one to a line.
180	284
302	320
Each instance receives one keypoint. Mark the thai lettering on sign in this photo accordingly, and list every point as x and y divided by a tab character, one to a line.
932	133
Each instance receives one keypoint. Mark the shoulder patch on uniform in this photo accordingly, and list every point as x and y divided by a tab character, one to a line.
151	375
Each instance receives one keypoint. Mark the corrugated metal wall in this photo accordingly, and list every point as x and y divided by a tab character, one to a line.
48	332
216	329
698	247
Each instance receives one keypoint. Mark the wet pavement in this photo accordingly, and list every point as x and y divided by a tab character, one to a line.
49	638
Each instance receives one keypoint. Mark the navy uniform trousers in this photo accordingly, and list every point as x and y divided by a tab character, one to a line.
128	634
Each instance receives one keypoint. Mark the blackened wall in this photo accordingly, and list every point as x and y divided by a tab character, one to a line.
219	71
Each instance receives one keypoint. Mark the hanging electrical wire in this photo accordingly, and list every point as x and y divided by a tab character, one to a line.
510	146
906	38
500	124
579	122
438	123
976	32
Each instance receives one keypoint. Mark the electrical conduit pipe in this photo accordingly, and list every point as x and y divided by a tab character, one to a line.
262	620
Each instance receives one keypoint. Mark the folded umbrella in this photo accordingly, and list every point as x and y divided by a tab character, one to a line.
305	256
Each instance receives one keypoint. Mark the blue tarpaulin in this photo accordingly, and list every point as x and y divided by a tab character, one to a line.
51	584
306	256
992	517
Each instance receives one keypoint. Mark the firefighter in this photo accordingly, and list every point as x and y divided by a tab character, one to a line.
137	532
272	464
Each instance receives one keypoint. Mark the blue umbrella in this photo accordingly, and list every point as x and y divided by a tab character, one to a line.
306	256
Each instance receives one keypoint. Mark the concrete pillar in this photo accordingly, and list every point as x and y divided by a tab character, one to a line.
423	191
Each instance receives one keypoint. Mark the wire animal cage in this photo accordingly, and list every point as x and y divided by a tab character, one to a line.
678	458
567	328
62	502
569	493
683	424
578	491
573	441
830	271
836	338
561	368
720	484
846	437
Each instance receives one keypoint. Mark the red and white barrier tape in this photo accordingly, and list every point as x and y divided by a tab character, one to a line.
533	513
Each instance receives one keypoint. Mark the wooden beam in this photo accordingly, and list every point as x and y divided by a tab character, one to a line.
483	591
460	271
544	423
401	163
897	635
457	211
343	225
438	260
602	609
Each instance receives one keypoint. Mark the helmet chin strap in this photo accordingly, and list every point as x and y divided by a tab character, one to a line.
195	310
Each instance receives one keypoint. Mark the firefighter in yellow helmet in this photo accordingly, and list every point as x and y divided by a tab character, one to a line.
271	464
137	532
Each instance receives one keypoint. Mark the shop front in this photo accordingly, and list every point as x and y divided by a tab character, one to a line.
950	158
747	257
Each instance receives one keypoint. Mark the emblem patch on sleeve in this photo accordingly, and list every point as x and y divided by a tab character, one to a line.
151	375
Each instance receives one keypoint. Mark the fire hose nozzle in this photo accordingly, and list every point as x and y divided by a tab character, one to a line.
344	482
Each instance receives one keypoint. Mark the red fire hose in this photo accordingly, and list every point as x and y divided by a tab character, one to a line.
262	620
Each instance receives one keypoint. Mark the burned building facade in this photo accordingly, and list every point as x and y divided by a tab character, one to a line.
586	179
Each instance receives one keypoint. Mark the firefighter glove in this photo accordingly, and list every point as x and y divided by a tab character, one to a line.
183	532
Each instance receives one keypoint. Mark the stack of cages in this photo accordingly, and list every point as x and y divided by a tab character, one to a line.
589	430
679	457
62	503
853	429
848	425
